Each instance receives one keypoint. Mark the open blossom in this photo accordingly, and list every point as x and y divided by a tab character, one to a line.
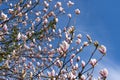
71	76
104	72
102	49
64	46
70	3
93	62
3	16
58	63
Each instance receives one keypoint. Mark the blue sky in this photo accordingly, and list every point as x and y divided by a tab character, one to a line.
101	19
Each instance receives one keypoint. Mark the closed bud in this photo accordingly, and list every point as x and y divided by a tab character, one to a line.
83	63
102	49
77	11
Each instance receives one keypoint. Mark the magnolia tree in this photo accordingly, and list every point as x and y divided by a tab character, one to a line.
38	42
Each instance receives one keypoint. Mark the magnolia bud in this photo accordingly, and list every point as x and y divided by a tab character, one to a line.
83	63
5	28
83	77
79	36
93	62
69	15
102	49
70	3
104	72
77	11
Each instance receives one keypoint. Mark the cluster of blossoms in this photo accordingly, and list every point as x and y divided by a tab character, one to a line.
35	45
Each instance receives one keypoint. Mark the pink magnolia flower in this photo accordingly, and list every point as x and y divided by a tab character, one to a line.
83	63
24	37
31	74
71	76
5	28
69	15
48	73
83	77
70	3
53	72
72	56
85	43
3	16
61	9
104	72
71	61
76	66
45	21
18	36
102	49
59	4
56	19
37	19
59	63
46	4
79	36
77	11
93	62
11	11
38	63
78	58
78	41
64	46
38	13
